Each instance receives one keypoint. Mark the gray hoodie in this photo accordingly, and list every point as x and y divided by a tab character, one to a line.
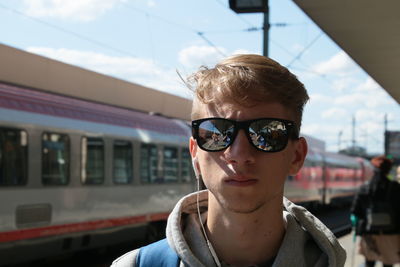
307	241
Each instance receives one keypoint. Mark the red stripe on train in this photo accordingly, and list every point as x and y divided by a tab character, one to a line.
78	227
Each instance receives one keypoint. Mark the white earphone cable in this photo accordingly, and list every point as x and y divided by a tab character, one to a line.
210	247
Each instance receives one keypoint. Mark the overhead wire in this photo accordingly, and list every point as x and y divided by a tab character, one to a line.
77	35
201	34
304	50
298	58
308	68
104	45
182	26
253	28
210	43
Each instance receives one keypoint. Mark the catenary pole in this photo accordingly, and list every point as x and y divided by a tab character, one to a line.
266	31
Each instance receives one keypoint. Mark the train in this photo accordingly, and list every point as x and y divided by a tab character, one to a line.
77	174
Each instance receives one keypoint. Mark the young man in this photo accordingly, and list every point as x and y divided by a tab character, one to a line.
242	219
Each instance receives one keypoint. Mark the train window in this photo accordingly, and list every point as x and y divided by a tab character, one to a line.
122	167
92	171
55	159
170	164
148	163
186	169
13	157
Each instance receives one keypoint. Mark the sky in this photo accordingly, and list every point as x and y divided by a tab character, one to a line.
148	41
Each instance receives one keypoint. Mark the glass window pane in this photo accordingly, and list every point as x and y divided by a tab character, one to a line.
170	164
92	160
55	159
186	166
148	163
13	157
122	167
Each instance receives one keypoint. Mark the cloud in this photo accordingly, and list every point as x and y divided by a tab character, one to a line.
319	99
343	83
297	48
79	10
137	70
369	86
194	56
334	113
243	51
367	115
371	127
367	133
339	64
375	100
151	3
321	129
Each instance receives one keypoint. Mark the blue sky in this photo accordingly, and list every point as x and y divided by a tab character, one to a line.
147	41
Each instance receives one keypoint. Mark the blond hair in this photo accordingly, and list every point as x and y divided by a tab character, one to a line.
247	80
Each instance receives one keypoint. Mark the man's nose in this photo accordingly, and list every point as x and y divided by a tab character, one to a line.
241	151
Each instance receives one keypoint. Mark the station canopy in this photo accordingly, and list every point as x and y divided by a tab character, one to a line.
368	31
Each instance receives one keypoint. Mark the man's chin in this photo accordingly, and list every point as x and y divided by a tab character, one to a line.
242	208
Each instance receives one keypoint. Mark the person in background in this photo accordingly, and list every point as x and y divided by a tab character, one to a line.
242	218
376	216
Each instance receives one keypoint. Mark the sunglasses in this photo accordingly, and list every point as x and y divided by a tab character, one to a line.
265	134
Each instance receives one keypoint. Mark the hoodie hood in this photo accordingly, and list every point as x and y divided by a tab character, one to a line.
307	240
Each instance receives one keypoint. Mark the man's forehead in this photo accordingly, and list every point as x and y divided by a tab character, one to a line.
229	109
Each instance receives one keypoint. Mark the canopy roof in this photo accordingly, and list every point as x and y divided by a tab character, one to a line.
368	31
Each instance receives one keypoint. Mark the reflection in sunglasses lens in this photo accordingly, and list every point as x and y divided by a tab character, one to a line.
215	134
268	135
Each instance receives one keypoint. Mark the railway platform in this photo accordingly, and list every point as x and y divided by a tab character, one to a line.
353	258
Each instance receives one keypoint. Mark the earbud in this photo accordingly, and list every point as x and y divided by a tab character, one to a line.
195	168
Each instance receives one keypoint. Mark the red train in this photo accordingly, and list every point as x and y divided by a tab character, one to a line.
328	178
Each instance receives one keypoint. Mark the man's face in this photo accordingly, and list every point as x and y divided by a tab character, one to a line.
241	178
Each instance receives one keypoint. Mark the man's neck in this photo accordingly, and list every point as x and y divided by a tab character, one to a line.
243	239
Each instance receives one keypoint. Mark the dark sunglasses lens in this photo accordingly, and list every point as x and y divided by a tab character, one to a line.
215	135
269	135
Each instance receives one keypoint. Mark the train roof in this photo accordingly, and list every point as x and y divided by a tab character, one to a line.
66	112
37	72
340	160
314	143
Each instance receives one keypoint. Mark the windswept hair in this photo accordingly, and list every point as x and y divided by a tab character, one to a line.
247	80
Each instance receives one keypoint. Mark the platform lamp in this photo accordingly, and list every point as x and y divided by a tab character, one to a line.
254	6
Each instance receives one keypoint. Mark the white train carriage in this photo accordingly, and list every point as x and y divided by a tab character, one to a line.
76	174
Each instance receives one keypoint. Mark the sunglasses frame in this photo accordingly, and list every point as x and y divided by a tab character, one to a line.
245	125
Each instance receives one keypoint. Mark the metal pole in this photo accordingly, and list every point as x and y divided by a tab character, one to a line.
266	31
353	141
386	135
386	122
339	140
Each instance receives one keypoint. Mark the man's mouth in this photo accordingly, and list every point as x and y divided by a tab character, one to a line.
240	181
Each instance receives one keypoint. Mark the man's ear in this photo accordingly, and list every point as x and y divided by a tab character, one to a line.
299	155
193	147
193	152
